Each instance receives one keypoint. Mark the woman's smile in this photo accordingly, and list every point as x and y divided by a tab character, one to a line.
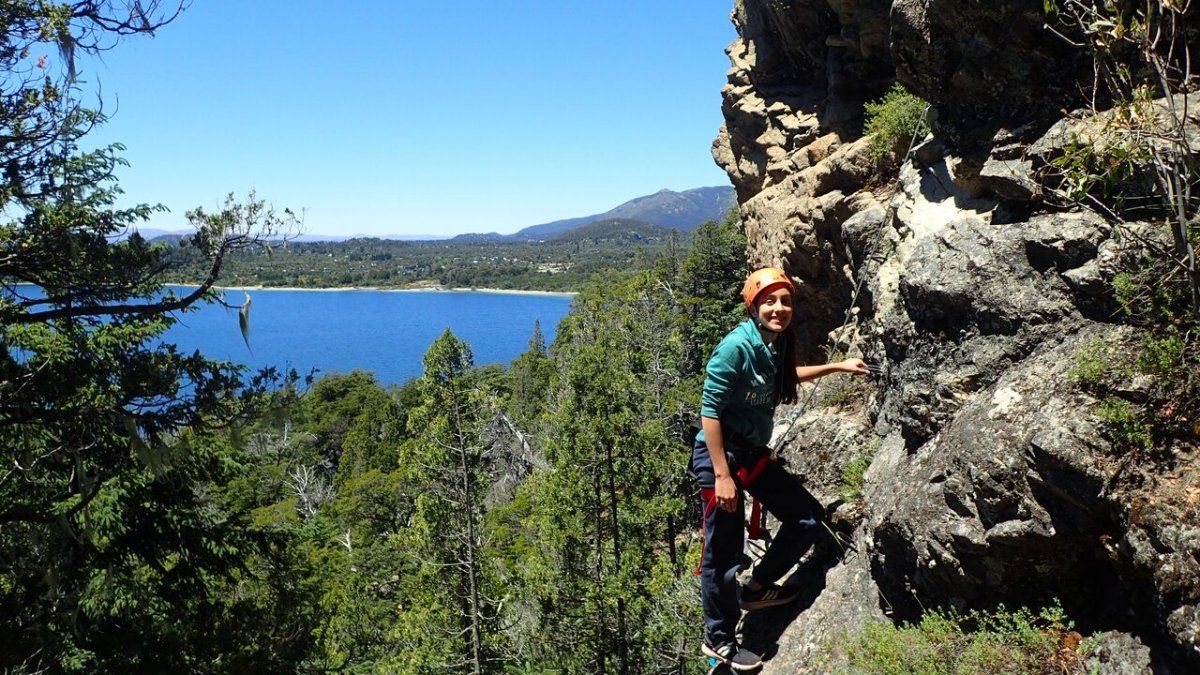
775	309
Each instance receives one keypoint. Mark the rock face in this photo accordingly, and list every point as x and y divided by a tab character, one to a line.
990	480
983	63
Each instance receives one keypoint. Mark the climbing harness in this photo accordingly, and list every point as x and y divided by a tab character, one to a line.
745	478
754	285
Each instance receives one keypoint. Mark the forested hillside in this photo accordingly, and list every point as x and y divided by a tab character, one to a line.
475	519
564	263
1016	489
161	511
536	518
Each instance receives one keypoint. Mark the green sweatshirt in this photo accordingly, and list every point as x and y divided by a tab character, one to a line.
740	385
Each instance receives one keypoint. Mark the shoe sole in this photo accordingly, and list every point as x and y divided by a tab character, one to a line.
763	604
708	651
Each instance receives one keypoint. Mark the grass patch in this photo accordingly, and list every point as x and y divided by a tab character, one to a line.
984	643
1093	366
893	120
1123	424
852	476
838	396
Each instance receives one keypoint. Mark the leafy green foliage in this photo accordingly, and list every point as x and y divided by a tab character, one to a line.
115	554
1099	368
1132	160
1123	423
946	643
1104	168
894	120
1109	156
852	476
533	518
530	375
456	470
164	512
1161	355
709	281
1093	365
1156	299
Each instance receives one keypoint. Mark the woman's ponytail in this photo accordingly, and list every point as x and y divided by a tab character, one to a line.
786	384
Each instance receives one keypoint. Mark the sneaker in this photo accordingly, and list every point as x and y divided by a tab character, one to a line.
732	655
769	595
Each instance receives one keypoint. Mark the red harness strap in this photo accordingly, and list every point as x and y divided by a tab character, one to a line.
746	479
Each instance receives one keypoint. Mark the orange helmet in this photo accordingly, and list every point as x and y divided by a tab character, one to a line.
763	280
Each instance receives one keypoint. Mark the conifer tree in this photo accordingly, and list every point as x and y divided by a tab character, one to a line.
709	279
602	510
530	375
452	452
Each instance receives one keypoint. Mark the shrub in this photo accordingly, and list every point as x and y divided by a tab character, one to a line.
1000	641
894	120
1132	159
1123	424
852	476
1093	365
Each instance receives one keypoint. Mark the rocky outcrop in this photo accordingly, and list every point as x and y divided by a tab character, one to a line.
984	64
990	481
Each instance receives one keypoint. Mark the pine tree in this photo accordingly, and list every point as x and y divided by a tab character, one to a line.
452	452
607	508
709	280
530	376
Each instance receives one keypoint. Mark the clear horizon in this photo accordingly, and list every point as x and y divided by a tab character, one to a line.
414	235
381	119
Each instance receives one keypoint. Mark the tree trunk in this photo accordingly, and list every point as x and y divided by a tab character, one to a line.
622	641
472	563
599	569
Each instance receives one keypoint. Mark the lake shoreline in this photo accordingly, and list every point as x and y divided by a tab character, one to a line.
424	289
428	289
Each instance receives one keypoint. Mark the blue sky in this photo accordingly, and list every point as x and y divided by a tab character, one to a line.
419	118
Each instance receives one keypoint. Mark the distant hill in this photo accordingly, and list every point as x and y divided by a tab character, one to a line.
474	238
616	231
171	238
665	208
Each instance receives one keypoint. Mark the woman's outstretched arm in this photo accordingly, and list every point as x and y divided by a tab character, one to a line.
807	373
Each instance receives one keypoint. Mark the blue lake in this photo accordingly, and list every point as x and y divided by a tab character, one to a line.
386	332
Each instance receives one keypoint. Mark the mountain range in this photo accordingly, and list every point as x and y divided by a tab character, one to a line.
666	208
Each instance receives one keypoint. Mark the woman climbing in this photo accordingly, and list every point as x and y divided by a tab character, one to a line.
751	371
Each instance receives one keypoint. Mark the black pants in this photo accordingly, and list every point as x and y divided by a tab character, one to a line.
781	493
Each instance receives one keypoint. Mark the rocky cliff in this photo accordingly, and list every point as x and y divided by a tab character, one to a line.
990	481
